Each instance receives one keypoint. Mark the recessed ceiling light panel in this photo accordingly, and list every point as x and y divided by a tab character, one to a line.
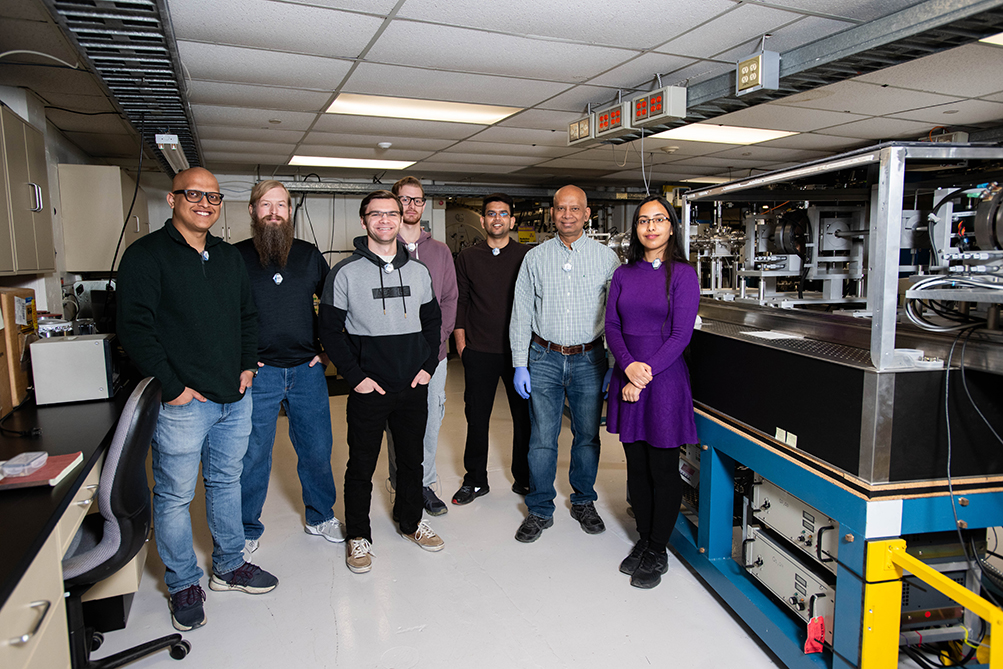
425	110
722	134
351	163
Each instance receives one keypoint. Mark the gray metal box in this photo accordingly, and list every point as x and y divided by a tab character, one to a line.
72	369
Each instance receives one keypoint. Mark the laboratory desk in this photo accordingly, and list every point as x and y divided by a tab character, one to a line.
37	525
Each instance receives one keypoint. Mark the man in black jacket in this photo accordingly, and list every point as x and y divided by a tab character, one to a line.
186	317
379	323
285	275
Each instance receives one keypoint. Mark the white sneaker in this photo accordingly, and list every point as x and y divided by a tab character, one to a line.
358	555
332	530
250	545
426	538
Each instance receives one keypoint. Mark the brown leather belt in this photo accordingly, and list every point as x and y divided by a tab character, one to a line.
566	350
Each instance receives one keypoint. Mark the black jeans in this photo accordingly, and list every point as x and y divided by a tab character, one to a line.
481	372
406	412
656	490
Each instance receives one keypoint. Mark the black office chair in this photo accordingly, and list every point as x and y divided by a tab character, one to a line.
108	541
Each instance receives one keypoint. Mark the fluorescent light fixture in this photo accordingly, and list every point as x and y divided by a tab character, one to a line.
426	110
706	180
722	134
351	163
996	39
170	147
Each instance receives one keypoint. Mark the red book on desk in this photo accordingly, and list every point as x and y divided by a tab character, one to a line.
52	472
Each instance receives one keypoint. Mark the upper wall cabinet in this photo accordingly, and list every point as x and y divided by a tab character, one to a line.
25	210
94	201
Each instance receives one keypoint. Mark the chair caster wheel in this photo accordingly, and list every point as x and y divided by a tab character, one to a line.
96	640
180	650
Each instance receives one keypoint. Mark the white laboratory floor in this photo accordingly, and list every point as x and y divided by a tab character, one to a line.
485	601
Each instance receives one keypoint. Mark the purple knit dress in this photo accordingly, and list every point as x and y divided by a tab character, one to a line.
637	330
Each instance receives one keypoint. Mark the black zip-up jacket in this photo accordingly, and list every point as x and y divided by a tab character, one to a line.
378	323
186	320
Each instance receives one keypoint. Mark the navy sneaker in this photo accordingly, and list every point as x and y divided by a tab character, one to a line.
187	611
433	505
248	578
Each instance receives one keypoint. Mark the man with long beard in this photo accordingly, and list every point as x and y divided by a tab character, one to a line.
285	275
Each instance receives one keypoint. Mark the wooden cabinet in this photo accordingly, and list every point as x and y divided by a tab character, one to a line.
25	210
234	222
94	200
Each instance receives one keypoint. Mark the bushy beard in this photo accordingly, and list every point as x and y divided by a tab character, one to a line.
272	241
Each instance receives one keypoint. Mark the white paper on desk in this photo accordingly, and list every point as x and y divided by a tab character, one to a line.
773	335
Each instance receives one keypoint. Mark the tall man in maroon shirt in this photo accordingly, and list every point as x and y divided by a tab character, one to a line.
485	279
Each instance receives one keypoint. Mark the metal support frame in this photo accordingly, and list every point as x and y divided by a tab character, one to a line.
863	610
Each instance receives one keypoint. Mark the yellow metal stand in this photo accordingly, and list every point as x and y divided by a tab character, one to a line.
886	562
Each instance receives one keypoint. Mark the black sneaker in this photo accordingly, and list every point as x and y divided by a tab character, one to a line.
187	611
520	489
249	578
532	528
649	572
629	564
433	505
587	515
468	493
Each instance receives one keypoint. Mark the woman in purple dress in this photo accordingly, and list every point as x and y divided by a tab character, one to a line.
650	311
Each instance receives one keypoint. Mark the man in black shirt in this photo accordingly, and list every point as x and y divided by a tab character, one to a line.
285	275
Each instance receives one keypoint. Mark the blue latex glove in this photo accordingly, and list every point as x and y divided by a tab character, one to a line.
521	382
605	382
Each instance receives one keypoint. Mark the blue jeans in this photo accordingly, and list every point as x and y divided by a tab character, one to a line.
553	377
215	435
430	442
302	390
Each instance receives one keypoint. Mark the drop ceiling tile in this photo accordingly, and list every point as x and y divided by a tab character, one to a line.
812	141
239	133
217	62
577	99
43	80
779	117
479	159
274	25
797	33
365	152
540	119
862	98
954	72
640	72
773	154
42	36
261	97
879	128
106	124
963	112
381	7
580	163
410	82
250	117
743	23
995	97
531	137
369	141
216	159
624	23
212	146
461	169
400	127
859	10
449	48
491	150
83	103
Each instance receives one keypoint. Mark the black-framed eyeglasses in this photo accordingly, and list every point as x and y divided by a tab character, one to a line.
405	200
195	196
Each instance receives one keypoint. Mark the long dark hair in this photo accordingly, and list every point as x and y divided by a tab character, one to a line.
673	252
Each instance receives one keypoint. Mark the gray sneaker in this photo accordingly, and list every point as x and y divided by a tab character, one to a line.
332	530
248	578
